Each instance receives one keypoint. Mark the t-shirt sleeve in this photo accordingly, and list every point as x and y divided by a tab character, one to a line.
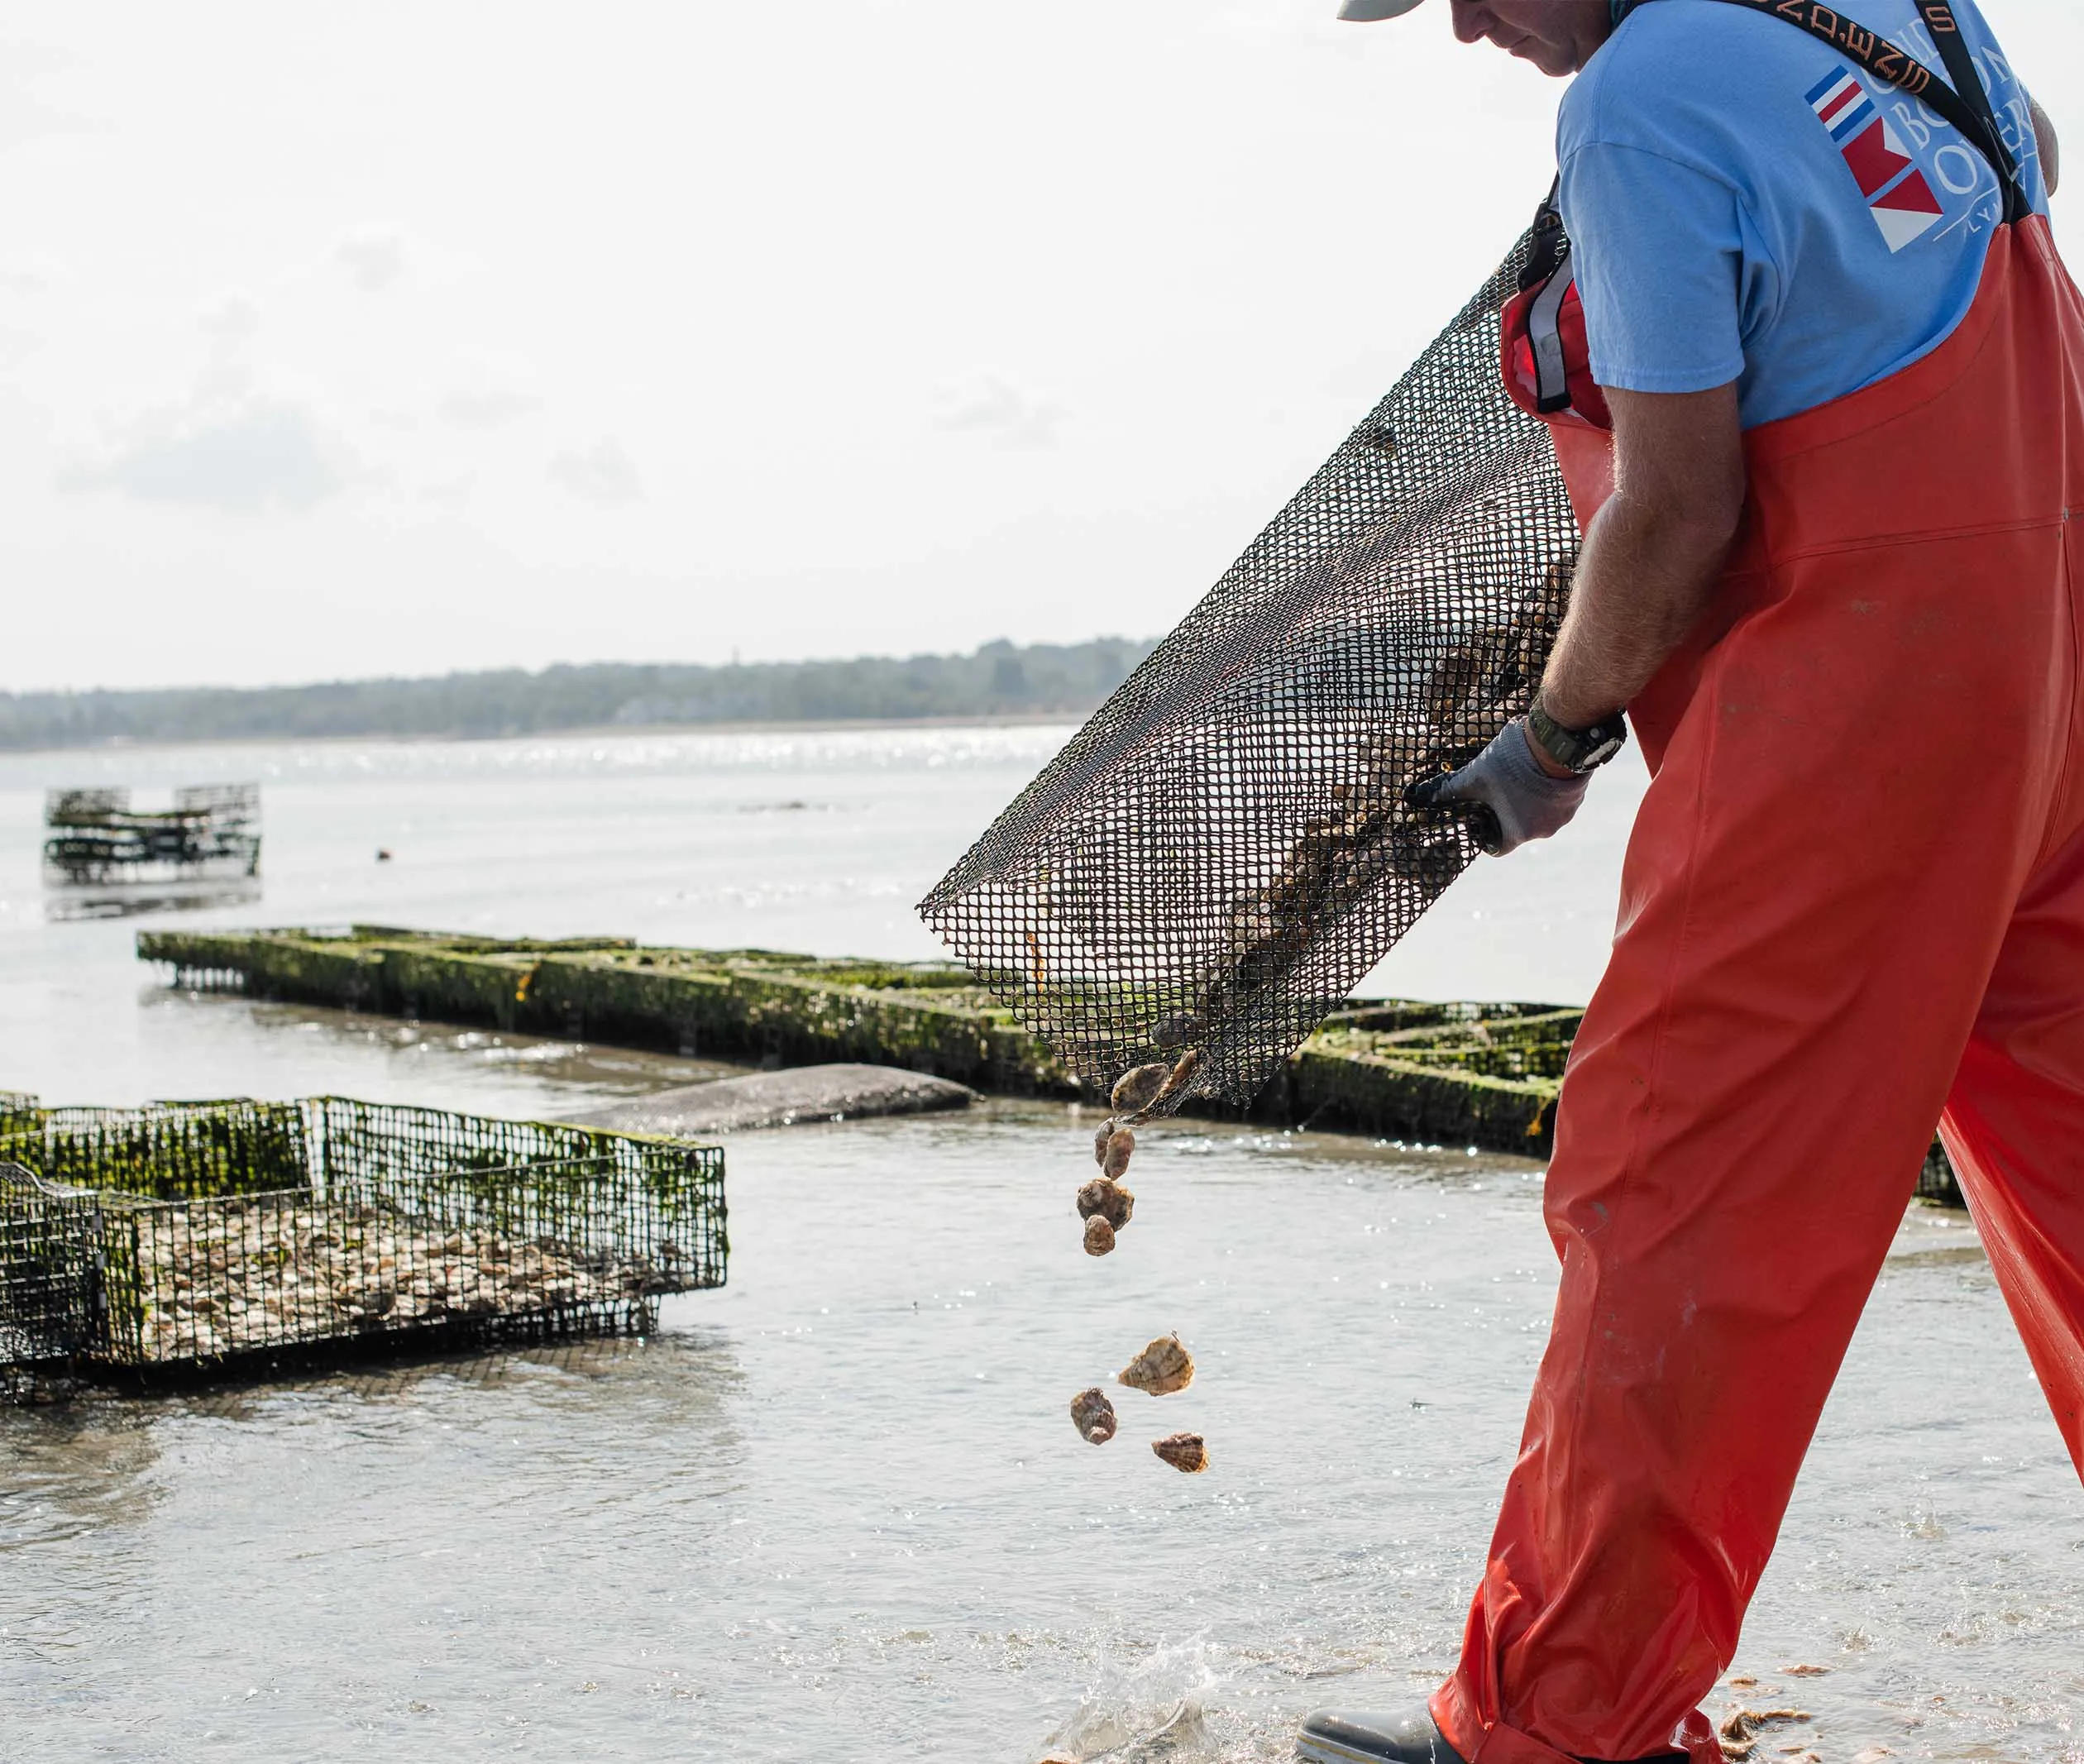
1658	251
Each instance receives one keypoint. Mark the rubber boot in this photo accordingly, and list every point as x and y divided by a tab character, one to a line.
1333	1736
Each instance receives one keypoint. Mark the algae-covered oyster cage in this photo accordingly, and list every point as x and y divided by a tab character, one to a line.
188	1238
1421	1073
1224	850
96	836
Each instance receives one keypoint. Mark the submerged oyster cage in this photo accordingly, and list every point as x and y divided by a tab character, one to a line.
1224	851
190	1234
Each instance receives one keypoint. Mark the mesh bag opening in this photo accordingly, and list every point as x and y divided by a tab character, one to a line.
1224	852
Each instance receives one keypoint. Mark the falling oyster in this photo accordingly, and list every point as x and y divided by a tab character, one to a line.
1093	1416
1161	1368
1136	1089
1099	1236
1183	1451
1109	1200
1181	1076
1120	1146
1100	1142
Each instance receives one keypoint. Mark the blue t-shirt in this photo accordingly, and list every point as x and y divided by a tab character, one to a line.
1746	204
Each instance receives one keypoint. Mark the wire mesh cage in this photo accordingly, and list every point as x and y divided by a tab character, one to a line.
52	1304
95	835
169	1151
194	1234
1493	1041
1224	851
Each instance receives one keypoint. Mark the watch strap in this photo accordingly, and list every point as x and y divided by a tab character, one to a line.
1579	749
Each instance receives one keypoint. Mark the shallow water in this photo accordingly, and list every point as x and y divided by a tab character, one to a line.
837	1509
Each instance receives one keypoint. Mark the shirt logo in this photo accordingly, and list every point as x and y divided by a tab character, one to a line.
1899	195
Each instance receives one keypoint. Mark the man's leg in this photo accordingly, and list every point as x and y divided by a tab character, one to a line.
1815	896
2015	1128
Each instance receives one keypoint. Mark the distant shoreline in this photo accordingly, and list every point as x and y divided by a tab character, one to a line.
801	725
1000	683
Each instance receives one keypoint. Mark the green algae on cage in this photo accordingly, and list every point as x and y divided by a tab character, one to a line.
1448	1074
1365	1073
201	1235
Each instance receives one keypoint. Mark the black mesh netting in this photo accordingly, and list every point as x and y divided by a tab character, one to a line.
1223	852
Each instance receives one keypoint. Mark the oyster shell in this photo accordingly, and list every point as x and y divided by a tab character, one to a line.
1137	1089
1161	1368
1093	1416
1183	1451
1177	1031
1180	1077
1099	1236
1109	1200
1115	1163
1100	1141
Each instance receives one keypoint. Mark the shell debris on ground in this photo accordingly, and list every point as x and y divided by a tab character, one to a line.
1739	1733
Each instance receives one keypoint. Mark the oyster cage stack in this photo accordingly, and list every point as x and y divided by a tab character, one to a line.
1223	853
186	1238
95	836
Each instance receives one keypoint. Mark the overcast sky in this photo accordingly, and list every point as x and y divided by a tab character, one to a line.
403	338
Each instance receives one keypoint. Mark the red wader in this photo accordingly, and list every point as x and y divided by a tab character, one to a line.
1854	895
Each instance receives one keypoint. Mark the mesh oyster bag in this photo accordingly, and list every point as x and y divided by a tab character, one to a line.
1224	852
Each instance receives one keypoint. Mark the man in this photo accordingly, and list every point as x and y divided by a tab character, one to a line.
1815	377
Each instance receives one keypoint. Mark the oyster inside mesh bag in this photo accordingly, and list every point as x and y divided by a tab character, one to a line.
1223	850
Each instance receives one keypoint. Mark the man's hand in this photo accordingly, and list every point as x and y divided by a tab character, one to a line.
1526	800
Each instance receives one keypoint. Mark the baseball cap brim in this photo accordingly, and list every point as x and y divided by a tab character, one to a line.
1367	11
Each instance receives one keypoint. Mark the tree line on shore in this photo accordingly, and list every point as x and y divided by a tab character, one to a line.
1001	678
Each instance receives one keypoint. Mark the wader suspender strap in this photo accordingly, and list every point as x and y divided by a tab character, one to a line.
1548	269
1965	105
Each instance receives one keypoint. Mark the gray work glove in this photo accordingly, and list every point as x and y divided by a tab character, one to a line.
1518	800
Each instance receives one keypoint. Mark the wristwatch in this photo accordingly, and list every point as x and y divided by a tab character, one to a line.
1581	750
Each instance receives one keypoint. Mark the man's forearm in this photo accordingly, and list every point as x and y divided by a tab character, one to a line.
1647	574
1650	566
1655	554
